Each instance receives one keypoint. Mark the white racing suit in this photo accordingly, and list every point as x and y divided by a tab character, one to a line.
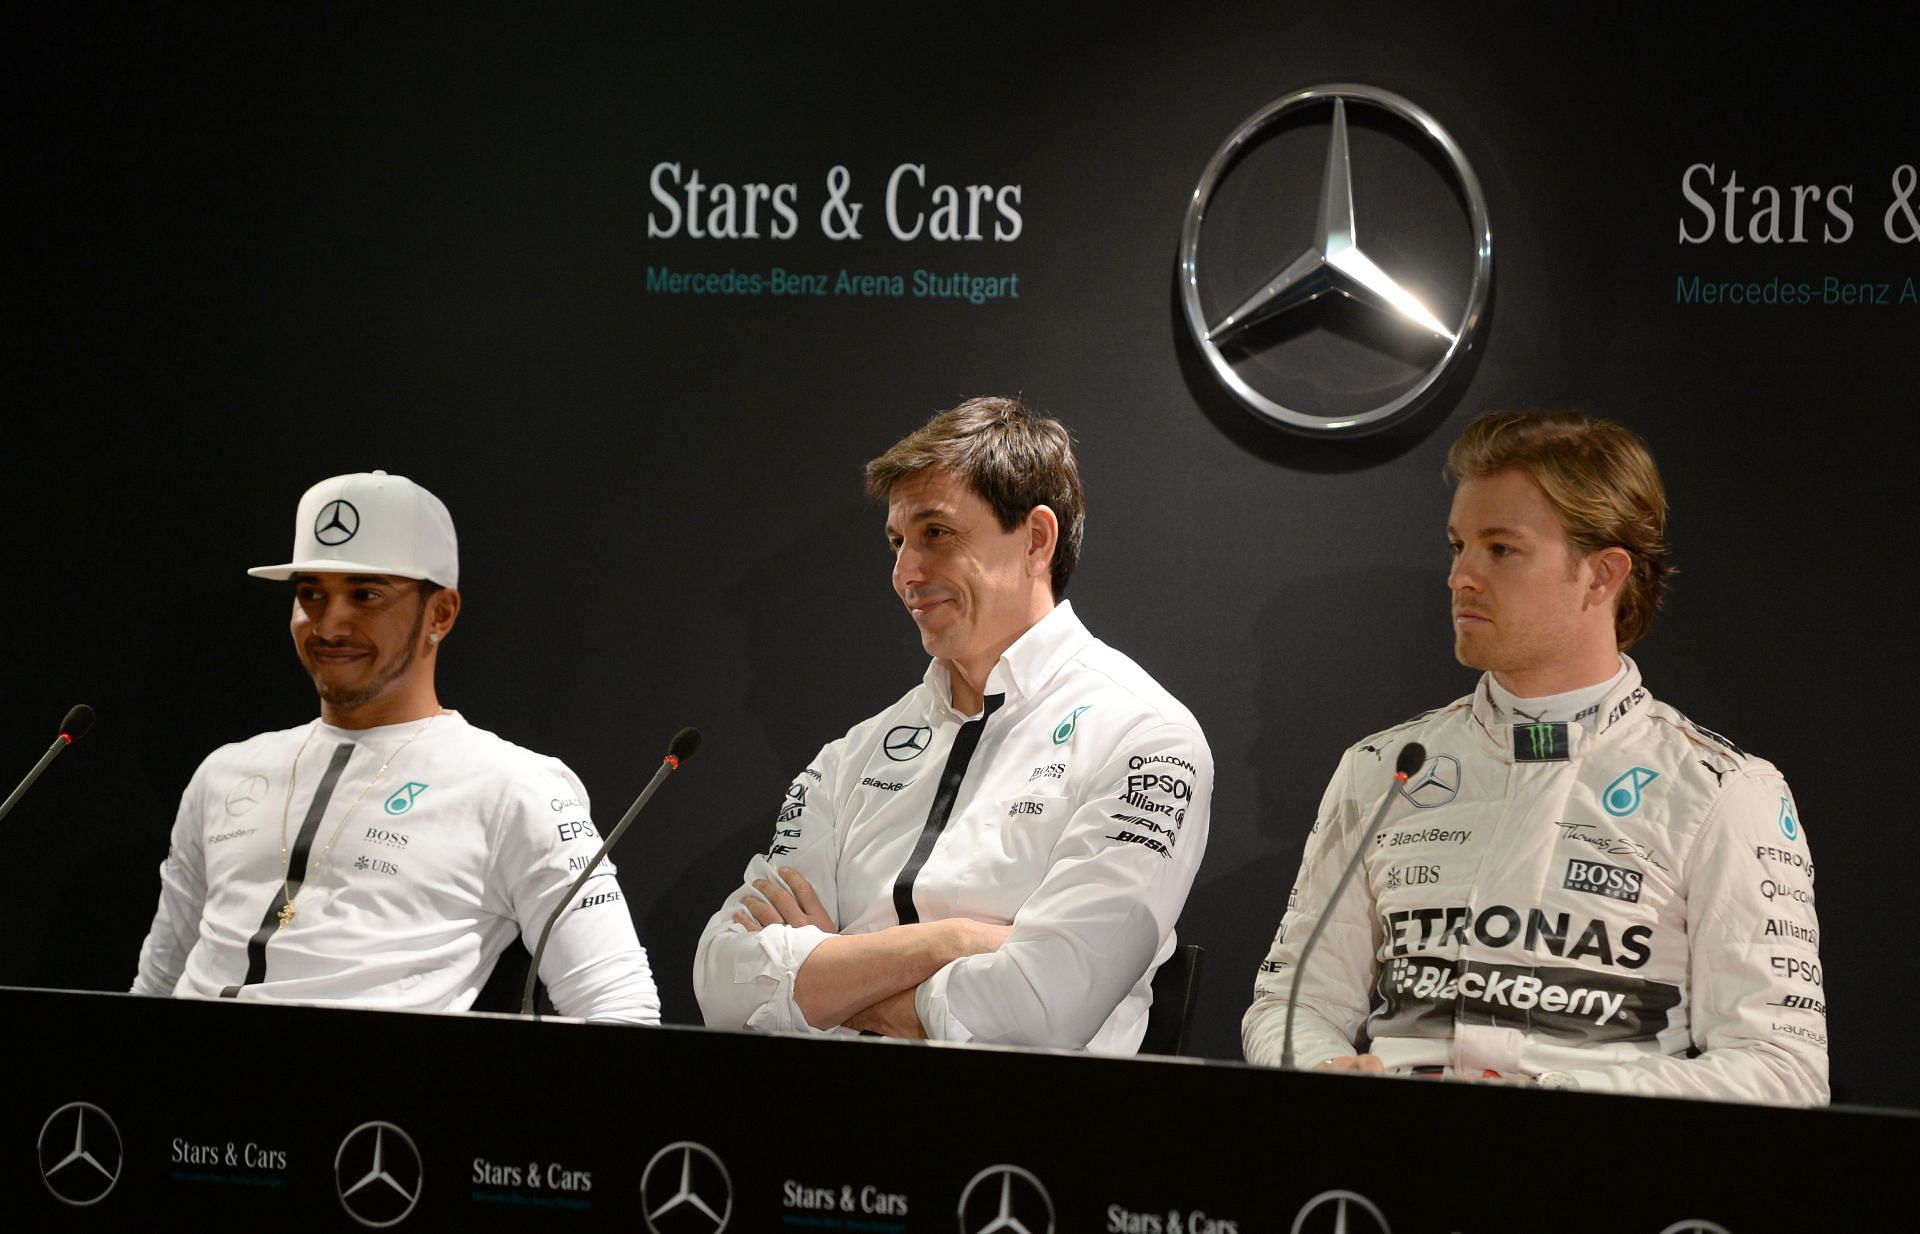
1080	816
1629	905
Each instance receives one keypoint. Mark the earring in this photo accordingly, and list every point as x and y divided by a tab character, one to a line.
433	638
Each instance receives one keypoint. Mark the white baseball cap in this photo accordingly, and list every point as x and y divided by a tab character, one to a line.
372	523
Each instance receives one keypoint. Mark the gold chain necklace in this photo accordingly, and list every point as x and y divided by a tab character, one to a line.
286	872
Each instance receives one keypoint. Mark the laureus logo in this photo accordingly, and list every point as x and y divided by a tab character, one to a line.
1276	240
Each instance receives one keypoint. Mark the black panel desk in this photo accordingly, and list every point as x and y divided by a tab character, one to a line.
155	1114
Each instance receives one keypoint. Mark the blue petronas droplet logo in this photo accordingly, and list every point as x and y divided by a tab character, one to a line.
1789	825
1064	730
1622	797
403	797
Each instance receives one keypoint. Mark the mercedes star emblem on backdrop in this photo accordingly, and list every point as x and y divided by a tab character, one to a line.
1005	1199
906	742
1347	255
1695	1225
377	1174
336	523
79	1154
1340	1212
686	1190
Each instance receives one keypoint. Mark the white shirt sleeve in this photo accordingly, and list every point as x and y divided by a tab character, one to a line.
183	895
744	978
1102	914
594	967
1334	992
1758	1008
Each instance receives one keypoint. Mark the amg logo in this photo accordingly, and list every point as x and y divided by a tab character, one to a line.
1597	878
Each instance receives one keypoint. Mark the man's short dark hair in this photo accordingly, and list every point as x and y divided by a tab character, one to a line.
1014	459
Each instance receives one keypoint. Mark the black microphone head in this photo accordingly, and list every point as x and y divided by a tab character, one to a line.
78	721
685	742
1412	756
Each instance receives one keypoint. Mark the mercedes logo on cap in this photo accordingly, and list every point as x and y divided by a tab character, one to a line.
1695	1225
246	793
686	1190
377	1174
906	742
1437	783
1005	1199
79	1154
1368	252
336	523
1340	1212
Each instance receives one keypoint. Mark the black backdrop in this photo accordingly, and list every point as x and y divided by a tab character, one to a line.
253	248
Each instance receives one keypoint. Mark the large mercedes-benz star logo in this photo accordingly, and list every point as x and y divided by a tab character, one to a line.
906	742
377	1174
79	1154
686	1190
1437	783
246	793
337	523
1334	263
1340	1212
1005	1199
1695	1225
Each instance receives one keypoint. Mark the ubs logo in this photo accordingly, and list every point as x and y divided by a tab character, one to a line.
80	1154
686	1190
377	1174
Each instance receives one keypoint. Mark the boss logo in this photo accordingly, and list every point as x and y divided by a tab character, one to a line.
1598	878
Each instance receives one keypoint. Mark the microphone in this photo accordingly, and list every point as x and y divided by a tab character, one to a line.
679	750
73	728
1412	755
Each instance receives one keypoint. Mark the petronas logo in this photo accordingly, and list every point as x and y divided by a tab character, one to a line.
1063	732
403	798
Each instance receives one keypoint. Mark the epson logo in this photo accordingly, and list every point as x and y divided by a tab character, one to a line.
1598	878
1179	789
1793	968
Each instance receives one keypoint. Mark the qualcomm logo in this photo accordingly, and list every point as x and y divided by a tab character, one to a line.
1005	1199
686	1190
1436	785
1622	797
1338	383
377	1174
80	1154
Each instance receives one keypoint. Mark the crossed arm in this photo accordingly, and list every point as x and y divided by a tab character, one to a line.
863	981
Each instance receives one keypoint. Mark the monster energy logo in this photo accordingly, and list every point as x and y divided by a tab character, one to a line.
1540	743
